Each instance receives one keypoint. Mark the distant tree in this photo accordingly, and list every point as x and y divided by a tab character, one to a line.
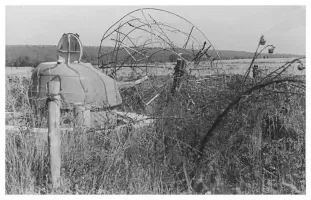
22	61
8	63
93	59
48	58
172	58
188	57
86	57
35	63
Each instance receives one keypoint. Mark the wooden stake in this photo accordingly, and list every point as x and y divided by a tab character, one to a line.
54	138
179	71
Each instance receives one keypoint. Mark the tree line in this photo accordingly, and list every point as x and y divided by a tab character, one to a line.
22	61
37	56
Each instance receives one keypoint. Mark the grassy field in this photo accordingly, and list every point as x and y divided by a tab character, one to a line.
18	71
257	147
229	67
19	55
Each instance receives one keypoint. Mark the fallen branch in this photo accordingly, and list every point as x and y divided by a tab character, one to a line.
14	115
35	130
151	100
129	84
45	130
220	117
293	188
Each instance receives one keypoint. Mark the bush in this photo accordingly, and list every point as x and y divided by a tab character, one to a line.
257	148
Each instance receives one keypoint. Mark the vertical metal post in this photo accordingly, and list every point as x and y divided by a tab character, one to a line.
54	137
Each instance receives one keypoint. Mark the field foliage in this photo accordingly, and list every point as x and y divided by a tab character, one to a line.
257	147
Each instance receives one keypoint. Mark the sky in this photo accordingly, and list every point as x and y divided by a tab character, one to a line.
227	27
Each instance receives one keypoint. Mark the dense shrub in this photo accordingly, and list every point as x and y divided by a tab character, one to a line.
258	148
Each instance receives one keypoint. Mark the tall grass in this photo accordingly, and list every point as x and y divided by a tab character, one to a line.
258	149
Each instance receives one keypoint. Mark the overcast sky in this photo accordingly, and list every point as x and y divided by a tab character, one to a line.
227	27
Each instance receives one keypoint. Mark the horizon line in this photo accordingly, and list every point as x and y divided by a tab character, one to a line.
295	54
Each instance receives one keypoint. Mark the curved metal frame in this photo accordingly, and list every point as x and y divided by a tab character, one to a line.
110	30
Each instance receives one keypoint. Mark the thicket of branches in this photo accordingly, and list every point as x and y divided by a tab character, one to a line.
237	131
211	137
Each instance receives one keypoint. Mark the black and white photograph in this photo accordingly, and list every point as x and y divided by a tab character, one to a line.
155	99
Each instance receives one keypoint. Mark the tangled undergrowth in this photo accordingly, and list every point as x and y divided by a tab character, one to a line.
257	148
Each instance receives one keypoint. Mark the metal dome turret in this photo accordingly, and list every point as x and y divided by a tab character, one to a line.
69	48
80	82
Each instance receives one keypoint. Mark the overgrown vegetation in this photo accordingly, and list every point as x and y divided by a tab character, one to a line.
219	134
258	148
